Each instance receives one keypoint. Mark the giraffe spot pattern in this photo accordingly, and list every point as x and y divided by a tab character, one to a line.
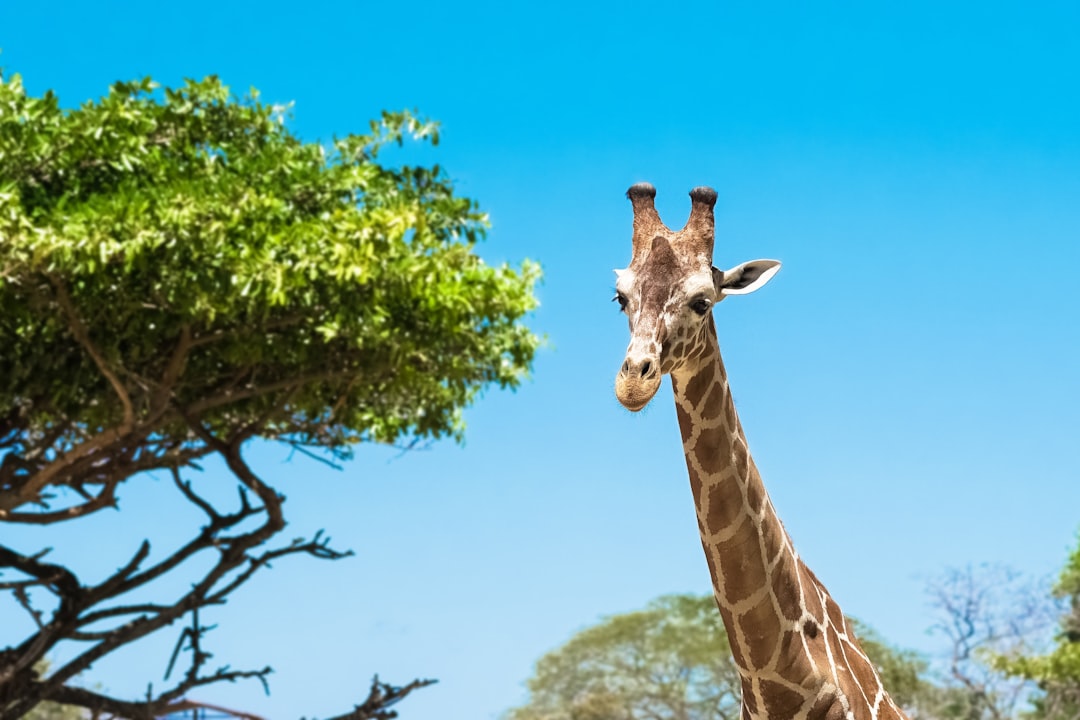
711	463
750	576
723	509
699	383
827	706
788	638
762	629
792	661
780	700
785	587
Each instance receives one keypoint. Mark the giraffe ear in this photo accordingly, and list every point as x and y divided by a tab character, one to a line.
745	278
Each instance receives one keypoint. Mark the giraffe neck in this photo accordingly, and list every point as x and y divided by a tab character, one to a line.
789	639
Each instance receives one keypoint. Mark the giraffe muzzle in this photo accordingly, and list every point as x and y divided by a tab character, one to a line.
637	382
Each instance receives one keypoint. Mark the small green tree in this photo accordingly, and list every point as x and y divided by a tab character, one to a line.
179	275
1058	671
671	661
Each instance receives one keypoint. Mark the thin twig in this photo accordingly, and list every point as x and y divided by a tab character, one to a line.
106	497
380	700
24	599
297	447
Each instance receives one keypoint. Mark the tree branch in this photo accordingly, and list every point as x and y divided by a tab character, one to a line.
270	325
80	333
381	698
105	498
38	480
173	371
97	703
66	586
198	408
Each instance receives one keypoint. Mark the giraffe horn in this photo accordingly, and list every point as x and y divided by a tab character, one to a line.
701	226
647	223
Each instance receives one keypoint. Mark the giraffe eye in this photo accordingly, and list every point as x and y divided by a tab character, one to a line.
700	306
621	299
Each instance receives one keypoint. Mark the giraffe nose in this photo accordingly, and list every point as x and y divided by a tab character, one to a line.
638	380
643	368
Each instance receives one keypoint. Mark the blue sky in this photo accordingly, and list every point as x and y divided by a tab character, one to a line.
907	382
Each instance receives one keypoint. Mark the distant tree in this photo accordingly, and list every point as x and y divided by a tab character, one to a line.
1057	672
179	275
671	661
984	613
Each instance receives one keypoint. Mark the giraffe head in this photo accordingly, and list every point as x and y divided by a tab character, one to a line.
669	290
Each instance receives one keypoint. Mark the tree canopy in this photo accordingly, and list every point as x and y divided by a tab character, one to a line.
180	274
184	252
668	660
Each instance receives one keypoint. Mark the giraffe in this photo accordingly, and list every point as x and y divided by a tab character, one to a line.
796	653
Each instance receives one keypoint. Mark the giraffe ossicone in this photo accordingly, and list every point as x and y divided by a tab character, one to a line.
795	651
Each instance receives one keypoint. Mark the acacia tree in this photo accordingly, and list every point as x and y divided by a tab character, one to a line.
180	275
672	661
669	660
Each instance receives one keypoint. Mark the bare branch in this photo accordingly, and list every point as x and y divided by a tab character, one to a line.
317	547
236	563
24	599
154	707
110	459
106	497
120	610
65	585
34	484
381	698
55	577
185	488
297	447
982	611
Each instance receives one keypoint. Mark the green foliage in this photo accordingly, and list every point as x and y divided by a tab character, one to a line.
180	274
1058	671
1061	665
669	660
672	660
1068	584
158	218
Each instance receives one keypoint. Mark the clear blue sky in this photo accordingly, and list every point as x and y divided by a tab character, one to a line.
908	381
